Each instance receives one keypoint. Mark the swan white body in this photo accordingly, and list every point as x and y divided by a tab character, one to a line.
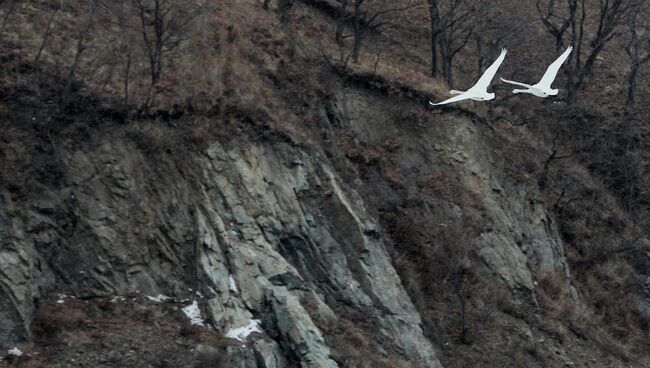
479	91
543	87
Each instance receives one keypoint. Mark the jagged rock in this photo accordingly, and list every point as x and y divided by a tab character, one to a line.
297	331
268	355
281	230
293	227
291	281
46	206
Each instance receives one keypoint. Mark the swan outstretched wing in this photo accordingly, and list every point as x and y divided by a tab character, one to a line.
484	82
551	71
452	99
516	83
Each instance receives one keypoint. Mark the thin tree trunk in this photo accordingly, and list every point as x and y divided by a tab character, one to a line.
634	49
160	33
152	51
77	58
631	89
358	36
127	41
127	71
10	11
341	21
284	8
374	69
435	30
145	38
481	57
572	91
46	35
447	69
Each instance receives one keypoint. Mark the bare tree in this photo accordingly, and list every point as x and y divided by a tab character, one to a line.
163	27
556	24
48	31
359	31
491	34
462	279
8	12
458	24
436	28
81	47
365	18
461	275
638	49
340	23
122	12
128	60
576	26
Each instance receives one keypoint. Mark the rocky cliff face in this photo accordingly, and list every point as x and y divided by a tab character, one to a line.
343	222
272	230
259	229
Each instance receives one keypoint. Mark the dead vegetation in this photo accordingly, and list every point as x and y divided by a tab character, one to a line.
130	331
236	72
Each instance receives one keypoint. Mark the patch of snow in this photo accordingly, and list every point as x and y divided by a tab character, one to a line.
232	284
117	299
60	301
15	352
193	312
158	299
241	333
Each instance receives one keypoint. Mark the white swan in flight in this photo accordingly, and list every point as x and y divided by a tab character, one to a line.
479	91
543	87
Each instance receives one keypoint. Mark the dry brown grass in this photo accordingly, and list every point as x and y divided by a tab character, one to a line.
352	346
52	319
400	74
438	267
612	325
448	188
237	63
99	330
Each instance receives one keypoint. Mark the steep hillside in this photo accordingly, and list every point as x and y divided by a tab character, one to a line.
324	202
